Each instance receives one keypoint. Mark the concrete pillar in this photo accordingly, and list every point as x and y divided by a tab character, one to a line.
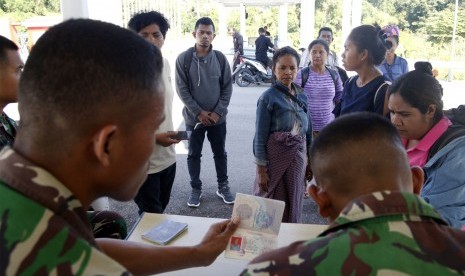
282	27
356	13
104	10
74	9
346	22
243	29
222	40
307	22
222	28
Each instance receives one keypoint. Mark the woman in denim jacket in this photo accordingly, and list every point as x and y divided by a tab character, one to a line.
283	133
415	104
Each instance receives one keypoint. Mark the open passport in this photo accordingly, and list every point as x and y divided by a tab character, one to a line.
259	226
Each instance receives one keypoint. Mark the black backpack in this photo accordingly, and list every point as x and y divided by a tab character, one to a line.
188	60
342	74
306	72
457	129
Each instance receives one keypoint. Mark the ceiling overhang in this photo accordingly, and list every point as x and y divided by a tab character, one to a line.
237	3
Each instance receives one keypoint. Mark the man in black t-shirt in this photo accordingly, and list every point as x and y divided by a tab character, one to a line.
262	44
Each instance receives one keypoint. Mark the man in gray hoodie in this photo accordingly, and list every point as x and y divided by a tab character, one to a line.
204	84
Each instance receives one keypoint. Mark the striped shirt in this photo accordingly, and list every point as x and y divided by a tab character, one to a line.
321	94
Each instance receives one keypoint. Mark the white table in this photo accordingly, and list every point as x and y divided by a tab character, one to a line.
198	226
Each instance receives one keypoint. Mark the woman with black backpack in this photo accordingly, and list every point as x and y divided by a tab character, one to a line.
364	50
432	141
321	84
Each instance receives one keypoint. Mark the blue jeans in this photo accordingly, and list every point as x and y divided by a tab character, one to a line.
217	136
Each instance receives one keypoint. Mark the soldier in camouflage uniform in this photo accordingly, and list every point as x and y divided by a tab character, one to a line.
104	223
11	67
378	226
91	100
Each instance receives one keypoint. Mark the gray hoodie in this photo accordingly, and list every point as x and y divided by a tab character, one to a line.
205	91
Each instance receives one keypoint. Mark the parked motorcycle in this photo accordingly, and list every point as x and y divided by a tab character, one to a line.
251	71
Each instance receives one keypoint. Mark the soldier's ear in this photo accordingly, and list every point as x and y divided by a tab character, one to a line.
102	144
322	199
418	179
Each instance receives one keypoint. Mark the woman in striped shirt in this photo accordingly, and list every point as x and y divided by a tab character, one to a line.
321	84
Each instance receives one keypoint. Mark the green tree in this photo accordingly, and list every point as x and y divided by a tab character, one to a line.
439	26
414	12
192	10
23	9
328	13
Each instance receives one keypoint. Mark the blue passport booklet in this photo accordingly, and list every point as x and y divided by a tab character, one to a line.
165	232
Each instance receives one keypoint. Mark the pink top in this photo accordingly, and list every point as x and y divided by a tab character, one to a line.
418	155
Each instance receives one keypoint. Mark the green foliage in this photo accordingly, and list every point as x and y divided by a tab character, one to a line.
426	25
373	14
23	9
260	17
407	14
192	10
440	25
234	19
426	30
328	13
415	12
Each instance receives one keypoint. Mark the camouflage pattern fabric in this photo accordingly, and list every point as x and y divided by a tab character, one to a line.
384	233
107	224
7	130
44	229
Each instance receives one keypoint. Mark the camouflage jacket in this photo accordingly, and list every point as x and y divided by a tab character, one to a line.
381	233
7	130
44	229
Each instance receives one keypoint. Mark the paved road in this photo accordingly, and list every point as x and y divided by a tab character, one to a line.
241	120
240	127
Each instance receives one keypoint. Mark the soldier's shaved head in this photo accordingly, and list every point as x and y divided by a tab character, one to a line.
359	154
84	73
90	100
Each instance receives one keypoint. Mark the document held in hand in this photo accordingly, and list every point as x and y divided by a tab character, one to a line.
165	232
259	226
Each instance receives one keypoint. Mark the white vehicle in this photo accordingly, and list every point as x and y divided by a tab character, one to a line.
251	71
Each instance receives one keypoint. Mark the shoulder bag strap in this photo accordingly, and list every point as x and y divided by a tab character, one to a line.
297	101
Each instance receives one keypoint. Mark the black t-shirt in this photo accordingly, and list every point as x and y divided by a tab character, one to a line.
262	43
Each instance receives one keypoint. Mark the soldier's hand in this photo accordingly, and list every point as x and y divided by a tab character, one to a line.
216	239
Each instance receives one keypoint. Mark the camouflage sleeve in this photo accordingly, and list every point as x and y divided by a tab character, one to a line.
275	261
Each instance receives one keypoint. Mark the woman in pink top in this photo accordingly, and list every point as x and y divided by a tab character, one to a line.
415	105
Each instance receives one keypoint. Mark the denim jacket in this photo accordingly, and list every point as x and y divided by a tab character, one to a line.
394	71
444	186
277	112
